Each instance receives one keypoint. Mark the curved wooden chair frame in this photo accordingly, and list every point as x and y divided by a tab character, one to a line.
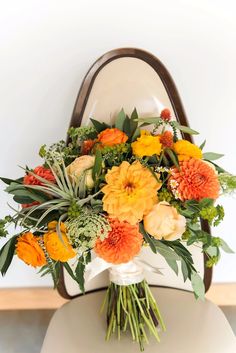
177	106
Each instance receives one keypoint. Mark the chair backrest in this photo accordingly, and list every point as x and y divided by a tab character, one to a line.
128	78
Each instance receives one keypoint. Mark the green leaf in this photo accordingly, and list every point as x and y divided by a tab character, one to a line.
6	254
126	127
98	125
149	121
79	271
184	270
173	265
212	251
70	271
172	156
147	238
202	145
226	247
133	121
206	202
184	129
136	134
212	156
9	181
97	168
198	285
120	120
218	168
165	250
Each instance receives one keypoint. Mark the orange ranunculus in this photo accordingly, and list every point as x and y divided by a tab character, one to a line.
122	243
58	250
42	172
29	250
194	180
110	137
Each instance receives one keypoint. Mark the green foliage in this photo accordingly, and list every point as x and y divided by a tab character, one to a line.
115	155
99	127
211	156
80	269
84	230
213	214
165	195
198	285
3	224
6	254
227	182
81	133
184	129
148	238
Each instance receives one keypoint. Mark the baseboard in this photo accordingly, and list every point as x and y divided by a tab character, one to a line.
47	298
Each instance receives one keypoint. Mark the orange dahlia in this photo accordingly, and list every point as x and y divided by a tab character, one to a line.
194	180
130	192
122	243
42	172
29	250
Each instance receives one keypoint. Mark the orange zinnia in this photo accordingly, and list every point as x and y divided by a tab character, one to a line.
195	180
122	243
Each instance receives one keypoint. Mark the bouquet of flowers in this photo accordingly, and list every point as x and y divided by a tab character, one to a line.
104	195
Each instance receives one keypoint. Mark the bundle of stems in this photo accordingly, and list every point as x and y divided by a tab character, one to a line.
132	307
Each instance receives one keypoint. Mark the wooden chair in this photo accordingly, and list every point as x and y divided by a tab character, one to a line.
128	78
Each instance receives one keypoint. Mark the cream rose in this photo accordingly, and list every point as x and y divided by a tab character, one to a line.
79	166
163	221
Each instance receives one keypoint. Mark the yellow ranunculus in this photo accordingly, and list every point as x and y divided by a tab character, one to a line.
146	145
186	150
58	250
130	192
163	221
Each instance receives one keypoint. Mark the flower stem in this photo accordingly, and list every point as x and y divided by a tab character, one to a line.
133	308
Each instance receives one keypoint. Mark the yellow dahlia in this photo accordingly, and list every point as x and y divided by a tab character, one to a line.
130	193
186	150
146	145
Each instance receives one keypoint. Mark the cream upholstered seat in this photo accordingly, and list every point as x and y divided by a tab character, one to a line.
192	327
128	78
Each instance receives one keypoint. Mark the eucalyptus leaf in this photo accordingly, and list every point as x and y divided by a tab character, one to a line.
212	156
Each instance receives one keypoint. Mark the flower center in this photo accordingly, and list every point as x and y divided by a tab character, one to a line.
129	187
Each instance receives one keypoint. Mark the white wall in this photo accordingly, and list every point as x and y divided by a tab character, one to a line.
46	48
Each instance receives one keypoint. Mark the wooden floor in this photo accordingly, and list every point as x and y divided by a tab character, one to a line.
47	298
